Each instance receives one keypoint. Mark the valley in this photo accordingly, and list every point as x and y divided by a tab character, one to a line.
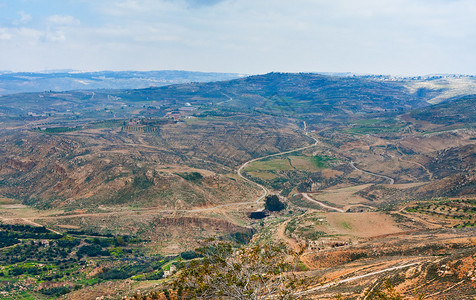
378	178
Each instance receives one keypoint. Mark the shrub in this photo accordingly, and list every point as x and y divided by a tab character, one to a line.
257	215
192	176
113	274
55	291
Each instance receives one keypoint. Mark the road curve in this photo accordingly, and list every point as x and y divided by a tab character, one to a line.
322	204
392	181
265	190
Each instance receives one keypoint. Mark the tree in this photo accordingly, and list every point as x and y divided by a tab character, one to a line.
273	204
258	272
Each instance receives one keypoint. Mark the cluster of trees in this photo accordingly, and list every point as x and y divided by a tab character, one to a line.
7	240
272	203
37	251
92	251
11	232
55	291
148	270
57	250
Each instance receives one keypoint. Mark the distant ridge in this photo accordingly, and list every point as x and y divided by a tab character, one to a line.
66	80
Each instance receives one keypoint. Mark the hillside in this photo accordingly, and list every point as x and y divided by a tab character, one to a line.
378	183
113	166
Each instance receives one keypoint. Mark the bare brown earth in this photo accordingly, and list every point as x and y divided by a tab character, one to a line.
367	224
435	275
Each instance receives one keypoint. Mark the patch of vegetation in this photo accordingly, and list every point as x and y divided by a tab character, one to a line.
462	211
306	227
346	225
41	256
142	182
187	255
304	203
375	126
11	234
53	130
194	177
258	215
321	161
55	291
272	203
240	238
270	164
91	251
106	124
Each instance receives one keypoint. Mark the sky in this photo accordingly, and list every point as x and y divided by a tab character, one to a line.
396	37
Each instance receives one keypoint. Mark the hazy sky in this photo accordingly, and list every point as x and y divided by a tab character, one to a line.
400	37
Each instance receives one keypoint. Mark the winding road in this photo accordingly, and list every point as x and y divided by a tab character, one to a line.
392	181
322	204
265	190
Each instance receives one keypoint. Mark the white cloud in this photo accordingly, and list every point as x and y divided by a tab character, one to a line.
24	17
4	34
249	36
55	36
63	20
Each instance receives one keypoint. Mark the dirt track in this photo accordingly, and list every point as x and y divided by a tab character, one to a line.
352	164
322	204
328	285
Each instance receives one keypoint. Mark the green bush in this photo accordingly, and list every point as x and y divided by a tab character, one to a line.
91	251
114	274
189	255
192	176
55	291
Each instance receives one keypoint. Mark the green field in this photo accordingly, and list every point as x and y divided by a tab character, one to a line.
288	163
374	126
270	165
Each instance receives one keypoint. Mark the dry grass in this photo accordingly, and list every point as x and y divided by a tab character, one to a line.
363	225
343	196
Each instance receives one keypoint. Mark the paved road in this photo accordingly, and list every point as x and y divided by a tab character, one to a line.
392	181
